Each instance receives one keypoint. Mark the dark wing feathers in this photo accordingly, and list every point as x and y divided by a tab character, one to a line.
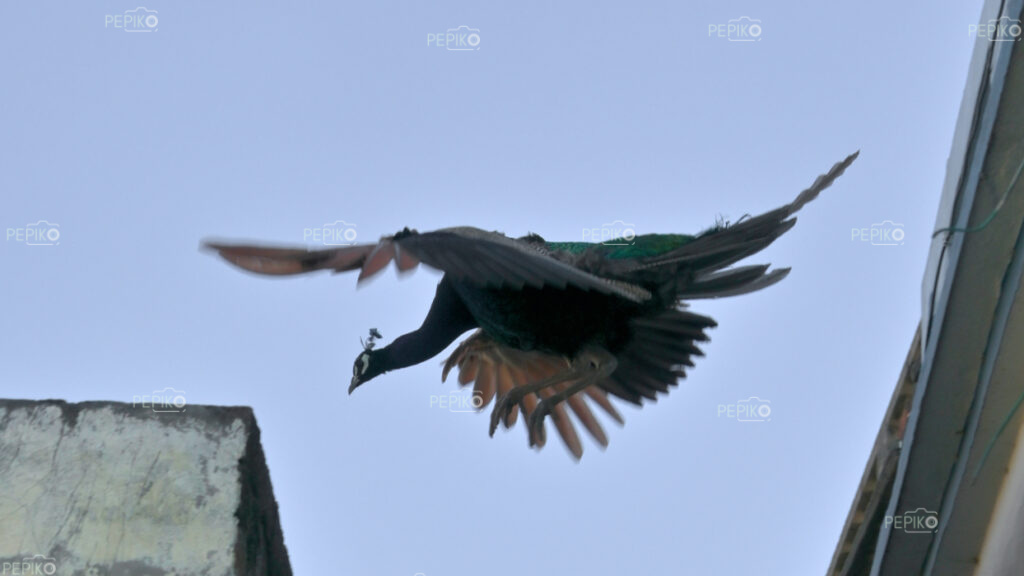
698	268
492	259
732	282
468	254
719	248
658	349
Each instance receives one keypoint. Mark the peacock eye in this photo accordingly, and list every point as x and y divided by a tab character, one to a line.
365	359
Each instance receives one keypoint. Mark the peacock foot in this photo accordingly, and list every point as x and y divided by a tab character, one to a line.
503	407
538	436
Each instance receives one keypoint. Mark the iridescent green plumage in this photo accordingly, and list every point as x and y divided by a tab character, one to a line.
620	248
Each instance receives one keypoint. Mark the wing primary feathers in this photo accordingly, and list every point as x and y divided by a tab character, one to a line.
377	260
278	261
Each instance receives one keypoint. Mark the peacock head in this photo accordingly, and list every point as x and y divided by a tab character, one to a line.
369	363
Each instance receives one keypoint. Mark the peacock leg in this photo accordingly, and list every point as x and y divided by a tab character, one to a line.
503	405
589	367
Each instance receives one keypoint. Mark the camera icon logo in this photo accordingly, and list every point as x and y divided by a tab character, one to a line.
919	521
753	409
42	233
37	564
337	233
619	233
168	400
471	403
744	29
462	38
459	401
887	233
1004	29
140	20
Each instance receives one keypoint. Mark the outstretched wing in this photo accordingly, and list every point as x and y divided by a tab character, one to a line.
277	261
485	259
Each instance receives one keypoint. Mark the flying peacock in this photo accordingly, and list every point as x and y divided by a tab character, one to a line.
557	324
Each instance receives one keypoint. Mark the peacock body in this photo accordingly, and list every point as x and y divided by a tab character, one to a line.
557	324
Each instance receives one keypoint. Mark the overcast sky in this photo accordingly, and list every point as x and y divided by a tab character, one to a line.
269	120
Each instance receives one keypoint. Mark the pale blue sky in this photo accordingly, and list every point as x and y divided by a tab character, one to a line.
258	120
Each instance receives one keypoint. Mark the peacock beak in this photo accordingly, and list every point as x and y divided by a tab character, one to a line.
355	384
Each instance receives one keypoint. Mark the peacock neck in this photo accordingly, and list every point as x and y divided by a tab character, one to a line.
447	320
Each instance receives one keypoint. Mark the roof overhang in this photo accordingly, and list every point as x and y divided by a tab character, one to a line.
962	428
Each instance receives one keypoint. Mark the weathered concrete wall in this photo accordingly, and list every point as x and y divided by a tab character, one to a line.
1003	551
112	489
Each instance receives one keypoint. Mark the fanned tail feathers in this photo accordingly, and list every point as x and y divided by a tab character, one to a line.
494	369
